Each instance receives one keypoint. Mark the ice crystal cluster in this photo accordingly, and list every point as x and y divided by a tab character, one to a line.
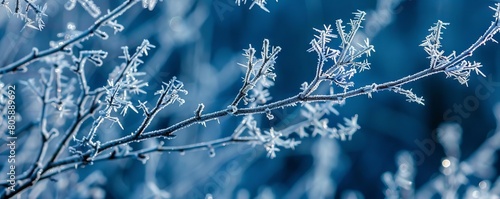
260	3
139	111
28	11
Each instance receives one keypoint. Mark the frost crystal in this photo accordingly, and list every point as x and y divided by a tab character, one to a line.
342	63
411	97
88	5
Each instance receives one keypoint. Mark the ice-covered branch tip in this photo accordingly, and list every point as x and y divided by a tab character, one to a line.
199	110
270	139
320	44
38	12
401	183
432	44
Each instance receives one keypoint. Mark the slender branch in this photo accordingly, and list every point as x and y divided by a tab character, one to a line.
267	61
243	111
18	7
150	115
72	131
205	145
36	55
